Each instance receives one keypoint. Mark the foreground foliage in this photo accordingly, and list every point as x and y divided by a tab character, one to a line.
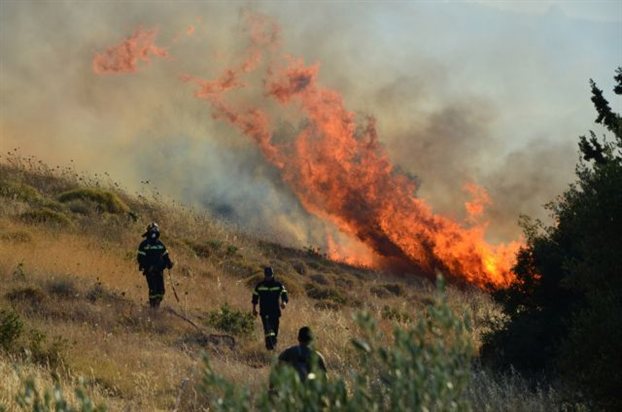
426	367
53	400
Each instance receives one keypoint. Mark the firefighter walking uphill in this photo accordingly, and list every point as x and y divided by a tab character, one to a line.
302	357
152	259
268	294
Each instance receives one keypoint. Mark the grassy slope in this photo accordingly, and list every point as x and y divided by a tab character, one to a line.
69	270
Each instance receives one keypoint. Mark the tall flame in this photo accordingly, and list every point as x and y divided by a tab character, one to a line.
341	173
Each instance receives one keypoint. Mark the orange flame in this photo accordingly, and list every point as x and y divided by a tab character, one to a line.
352	254
340	172
480	199
124	57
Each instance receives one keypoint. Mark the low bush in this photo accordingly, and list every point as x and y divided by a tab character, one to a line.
16	338
46	215
81	206
324	293
19	236
44	351
63	288
299	266
319	278
97	292
208	248
32	296
19	191
106	201
11	328
391	313
394	289
387	290
234	321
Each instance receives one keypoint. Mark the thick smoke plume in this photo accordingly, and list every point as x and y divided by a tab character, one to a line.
341	173
451	106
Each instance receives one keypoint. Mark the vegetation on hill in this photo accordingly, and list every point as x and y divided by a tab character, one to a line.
565	313
74	311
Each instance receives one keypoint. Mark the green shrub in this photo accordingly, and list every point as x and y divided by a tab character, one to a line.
232	321
26	193
81	206
426	367
11	328
46	352
19	191
324	293
206	249
391	313
16	338
45	215
104	200
53	400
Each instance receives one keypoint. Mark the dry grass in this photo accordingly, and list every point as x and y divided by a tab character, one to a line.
91	293
15	371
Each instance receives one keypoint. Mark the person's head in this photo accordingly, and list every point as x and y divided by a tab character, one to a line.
268	273
153	231
305	336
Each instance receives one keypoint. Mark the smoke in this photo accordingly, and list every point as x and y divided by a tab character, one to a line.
448	111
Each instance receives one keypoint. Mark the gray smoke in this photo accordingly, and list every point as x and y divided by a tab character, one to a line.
461	93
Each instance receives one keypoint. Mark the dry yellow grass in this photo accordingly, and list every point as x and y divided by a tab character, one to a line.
136	359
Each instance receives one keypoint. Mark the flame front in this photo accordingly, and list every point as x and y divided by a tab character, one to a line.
340	172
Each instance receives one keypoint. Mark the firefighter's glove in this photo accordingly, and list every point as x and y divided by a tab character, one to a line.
170	265
283	304
255	313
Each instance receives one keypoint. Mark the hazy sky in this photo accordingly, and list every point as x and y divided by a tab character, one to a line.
490	92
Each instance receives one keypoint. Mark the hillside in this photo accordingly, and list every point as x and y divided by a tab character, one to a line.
69	278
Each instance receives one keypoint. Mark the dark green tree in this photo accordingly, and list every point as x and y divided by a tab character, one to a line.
565	311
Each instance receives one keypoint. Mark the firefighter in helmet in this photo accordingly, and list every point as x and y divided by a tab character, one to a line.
302	357
152	259
271	296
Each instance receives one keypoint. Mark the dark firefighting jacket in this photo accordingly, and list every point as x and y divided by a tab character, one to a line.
267	294
153	256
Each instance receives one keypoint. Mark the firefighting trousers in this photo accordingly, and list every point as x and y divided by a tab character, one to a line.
155	281
270	329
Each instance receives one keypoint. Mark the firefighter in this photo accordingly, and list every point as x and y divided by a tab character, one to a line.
152	259
302	357
268	293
